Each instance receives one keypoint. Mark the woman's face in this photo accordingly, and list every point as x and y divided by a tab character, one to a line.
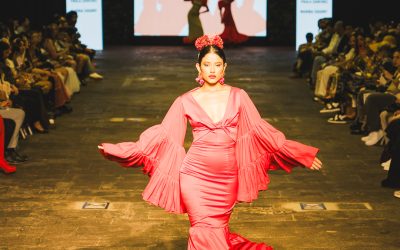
54	29
6	53
20	47
36	38
212	68
25	41
353	41
396	59
360	41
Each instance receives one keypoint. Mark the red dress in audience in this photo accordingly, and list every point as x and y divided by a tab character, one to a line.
3	163
227	163
230	34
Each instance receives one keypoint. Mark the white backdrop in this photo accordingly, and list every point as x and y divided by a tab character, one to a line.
169	17
90	21
308	12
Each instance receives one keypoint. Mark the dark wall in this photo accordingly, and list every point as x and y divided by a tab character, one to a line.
39	11
362	12
118	16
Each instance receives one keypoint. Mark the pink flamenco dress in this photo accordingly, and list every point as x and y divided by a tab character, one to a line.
227	163
230	35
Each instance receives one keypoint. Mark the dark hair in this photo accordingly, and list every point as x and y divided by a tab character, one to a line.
3	47
309	37
71	14
16	44
388	66
211	49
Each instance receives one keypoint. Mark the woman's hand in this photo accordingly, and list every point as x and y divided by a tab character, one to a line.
316	165
14	89
5	104
101	149
206	10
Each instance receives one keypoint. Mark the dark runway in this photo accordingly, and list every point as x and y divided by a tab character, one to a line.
41	205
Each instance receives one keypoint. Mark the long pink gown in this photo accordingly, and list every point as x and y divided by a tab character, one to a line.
227	163
230	33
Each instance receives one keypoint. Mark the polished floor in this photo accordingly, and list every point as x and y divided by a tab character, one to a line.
41	205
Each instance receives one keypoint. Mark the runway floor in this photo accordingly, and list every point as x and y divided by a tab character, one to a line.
41	205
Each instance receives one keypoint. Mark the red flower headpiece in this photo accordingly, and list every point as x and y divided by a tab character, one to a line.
207	40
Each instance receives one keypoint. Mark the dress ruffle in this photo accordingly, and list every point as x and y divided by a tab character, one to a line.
153	149
259	148
160	151
240	243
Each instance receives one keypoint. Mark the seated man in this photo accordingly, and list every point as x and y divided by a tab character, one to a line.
303	63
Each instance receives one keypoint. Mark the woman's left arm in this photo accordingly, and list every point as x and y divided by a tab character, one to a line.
265	139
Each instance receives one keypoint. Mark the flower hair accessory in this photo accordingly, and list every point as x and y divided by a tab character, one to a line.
208	40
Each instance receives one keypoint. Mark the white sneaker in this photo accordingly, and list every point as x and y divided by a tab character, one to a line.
338	119
386	165
96	76
397	194
375	138
366	138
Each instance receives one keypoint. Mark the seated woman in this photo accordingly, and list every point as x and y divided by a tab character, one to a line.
21	66
84	67
61	76
60	59
376	102
340	63
387	71
31	101
362	69
61	56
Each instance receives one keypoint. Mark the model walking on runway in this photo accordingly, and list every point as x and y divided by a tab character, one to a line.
233	149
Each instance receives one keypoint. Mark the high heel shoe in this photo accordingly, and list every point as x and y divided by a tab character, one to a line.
7	169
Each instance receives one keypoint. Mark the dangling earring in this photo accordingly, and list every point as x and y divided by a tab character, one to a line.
221	81
200	80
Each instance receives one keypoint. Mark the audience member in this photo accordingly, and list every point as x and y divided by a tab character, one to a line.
39	72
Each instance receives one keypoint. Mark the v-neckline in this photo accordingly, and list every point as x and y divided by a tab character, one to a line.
202	109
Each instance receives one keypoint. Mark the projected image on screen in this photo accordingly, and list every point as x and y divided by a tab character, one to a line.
170	17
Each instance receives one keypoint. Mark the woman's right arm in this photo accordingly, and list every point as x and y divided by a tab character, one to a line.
154	143
51	49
